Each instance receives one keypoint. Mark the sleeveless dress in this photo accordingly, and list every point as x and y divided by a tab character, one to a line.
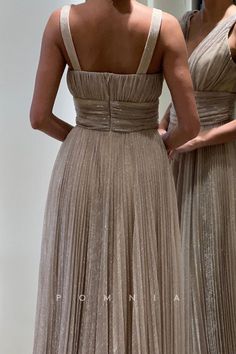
110	267
206	192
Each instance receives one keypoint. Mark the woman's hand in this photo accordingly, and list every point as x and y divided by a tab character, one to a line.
191	145
161	131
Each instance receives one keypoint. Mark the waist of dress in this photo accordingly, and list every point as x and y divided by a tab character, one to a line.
214	108
120	116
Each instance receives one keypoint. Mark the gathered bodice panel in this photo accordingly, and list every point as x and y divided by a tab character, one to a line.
214	108
107	101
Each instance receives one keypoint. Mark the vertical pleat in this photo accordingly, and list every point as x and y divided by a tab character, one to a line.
110	277
205	181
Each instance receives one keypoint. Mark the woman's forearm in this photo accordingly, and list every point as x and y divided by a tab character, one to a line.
219	135
54	127
177	137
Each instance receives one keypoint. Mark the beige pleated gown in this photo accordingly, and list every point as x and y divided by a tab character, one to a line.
110	267
206	191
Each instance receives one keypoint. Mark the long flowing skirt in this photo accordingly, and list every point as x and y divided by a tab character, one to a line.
110	273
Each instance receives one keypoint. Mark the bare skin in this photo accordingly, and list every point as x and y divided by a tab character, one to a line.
201	24
124	26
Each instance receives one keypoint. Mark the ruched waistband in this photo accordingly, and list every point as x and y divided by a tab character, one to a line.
214	108
119	116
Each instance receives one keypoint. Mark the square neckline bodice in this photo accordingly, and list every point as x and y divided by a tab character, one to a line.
154	29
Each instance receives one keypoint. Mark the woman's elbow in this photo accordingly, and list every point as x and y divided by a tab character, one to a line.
34	123
192	129
37	119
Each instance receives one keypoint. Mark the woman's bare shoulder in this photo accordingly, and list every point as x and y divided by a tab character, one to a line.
170	24
52	28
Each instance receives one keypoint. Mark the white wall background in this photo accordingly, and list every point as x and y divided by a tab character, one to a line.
27	157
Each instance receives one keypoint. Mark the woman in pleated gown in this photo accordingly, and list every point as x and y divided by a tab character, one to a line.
205	177
110	273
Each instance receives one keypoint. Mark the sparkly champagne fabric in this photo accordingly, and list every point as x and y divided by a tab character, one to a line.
110	274
206	191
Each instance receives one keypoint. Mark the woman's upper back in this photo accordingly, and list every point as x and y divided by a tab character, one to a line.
107	100
110	40
102	54
112	79
139	87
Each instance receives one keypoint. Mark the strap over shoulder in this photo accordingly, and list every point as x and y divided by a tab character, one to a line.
67	37
149	46
151	41
183	21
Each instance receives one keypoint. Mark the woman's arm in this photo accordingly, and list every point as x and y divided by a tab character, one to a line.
178	78
218	135
164	122
49	73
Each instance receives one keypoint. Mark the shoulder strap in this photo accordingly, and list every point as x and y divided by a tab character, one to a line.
190	14
185	20
67	38
151	41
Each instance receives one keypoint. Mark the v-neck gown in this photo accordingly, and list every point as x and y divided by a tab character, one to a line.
206	192
110	268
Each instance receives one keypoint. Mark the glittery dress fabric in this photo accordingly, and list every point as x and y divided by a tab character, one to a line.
110	273
205	181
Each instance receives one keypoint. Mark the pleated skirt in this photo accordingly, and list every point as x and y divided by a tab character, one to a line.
206	192
110	274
